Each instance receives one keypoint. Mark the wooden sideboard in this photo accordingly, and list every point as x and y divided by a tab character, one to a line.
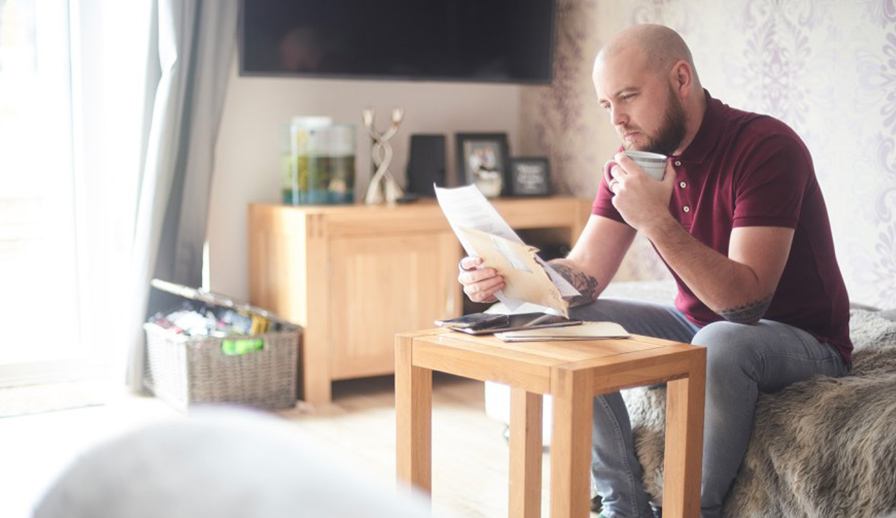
355	275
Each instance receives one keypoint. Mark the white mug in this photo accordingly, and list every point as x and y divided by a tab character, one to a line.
654	164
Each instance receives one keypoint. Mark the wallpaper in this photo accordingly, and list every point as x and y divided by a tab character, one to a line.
825	67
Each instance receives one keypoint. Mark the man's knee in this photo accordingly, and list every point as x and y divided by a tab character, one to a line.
721	332
638	317
728	346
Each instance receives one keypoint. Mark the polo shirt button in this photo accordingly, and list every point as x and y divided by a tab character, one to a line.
683	185
677	163
686	209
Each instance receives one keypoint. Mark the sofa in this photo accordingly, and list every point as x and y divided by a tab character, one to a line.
824	447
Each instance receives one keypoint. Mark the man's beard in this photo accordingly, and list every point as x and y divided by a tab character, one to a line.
671	133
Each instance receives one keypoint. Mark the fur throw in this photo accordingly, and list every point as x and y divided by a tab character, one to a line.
824	447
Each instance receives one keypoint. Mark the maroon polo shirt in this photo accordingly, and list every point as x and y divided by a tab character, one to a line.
748	170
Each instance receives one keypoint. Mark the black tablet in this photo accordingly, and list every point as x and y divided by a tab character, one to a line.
517	322
474	320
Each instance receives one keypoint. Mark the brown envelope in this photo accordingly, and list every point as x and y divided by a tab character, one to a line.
524	278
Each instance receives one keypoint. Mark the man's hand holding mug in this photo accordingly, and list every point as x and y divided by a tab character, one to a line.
639	198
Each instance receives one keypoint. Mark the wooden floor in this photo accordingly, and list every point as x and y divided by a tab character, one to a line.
470	454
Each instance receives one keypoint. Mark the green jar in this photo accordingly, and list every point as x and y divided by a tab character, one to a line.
318	162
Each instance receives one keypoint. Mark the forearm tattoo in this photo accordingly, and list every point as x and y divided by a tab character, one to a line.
586	284
749	313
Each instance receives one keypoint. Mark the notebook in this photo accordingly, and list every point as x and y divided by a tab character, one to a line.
584	331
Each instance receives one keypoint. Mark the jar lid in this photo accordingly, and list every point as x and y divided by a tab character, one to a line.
312	121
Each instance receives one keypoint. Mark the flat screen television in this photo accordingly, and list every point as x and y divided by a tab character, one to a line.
502	41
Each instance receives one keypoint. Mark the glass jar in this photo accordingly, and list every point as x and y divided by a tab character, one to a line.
302	160
318	162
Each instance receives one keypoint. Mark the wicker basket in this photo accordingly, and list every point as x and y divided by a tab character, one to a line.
185	371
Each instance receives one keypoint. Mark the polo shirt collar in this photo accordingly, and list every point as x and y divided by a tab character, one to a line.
708	135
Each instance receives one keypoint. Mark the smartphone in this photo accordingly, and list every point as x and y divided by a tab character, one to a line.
475	321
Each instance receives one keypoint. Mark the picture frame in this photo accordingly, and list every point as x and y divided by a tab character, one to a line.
482	161
530	176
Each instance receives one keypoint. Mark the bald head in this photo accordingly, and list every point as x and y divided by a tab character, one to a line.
645	79
658	46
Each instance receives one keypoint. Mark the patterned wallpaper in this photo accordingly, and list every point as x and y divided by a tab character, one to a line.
825	67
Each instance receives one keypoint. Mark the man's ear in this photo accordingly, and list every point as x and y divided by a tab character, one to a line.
681	77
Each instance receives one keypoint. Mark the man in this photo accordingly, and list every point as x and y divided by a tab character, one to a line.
739	220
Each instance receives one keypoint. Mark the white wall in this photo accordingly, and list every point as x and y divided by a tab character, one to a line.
247	161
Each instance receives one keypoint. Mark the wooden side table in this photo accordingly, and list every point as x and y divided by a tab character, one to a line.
573	373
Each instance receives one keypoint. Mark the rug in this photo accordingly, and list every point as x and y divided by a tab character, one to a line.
36	399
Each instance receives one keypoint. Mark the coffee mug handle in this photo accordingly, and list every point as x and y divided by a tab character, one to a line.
608	166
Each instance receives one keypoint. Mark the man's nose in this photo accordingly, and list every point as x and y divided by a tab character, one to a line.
618	116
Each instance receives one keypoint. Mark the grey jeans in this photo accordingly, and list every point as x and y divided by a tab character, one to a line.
741	361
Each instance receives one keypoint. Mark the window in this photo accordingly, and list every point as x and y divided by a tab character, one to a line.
38	259
66	181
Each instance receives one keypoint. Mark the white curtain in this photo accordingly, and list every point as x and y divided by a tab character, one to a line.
191	47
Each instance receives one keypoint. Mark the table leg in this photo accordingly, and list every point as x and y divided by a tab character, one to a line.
571	443
684	441
525	454
413	418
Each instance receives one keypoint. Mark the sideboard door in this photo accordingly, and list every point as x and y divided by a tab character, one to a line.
386	284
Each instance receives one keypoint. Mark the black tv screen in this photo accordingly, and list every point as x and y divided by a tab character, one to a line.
433	40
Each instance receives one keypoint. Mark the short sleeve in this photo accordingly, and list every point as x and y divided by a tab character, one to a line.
603	201
770	188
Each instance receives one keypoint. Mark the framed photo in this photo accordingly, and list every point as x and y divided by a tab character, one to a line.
530	176
482	161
